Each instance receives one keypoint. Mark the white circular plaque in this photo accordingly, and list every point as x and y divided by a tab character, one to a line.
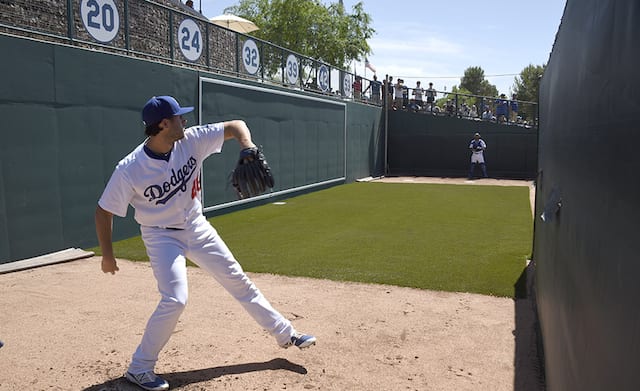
100	18
292	68
250	56
323	78
190	39
346	85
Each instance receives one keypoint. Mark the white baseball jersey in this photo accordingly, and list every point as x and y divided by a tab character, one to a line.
164	193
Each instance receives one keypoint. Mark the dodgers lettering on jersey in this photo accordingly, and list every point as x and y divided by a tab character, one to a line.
177	182
163	193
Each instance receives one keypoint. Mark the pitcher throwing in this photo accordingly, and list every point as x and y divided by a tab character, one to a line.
160	179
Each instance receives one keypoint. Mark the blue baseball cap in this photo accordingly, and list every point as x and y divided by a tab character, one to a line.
161	107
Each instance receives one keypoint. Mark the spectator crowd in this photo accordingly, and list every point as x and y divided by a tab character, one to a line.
417	99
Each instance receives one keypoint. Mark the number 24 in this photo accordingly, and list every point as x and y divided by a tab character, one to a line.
195	42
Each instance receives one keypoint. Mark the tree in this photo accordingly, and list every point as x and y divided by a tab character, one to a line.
473	81
310	28
527	84
457	95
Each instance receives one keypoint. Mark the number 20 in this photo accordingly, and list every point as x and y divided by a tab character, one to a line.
107	15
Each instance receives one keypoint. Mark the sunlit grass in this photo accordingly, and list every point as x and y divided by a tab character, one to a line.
429	236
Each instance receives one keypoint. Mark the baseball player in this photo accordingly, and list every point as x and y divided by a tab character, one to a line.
160	179
477	147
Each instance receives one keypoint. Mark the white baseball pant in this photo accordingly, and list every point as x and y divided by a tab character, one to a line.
167	251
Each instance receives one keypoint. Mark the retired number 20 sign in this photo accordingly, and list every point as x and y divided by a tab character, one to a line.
101	19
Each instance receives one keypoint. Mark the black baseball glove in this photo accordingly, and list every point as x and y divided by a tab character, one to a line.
252	175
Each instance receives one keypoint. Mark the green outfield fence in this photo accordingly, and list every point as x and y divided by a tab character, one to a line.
75	74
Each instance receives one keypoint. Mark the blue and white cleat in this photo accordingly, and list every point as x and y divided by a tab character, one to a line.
148	381
301	341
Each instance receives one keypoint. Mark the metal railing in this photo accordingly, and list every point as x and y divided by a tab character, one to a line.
473	107
168	31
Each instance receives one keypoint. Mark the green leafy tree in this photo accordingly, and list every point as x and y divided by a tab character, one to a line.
526	87
527	84
308	27
463	96
474	81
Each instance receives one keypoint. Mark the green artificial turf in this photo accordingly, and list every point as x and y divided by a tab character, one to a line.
430	236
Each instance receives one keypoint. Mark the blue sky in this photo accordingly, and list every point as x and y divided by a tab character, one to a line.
435	41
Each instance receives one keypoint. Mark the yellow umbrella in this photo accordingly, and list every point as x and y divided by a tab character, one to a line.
234	23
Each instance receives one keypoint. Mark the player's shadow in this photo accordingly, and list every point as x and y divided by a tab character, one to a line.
179	379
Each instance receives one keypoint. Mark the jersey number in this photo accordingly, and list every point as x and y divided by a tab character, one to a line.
196	187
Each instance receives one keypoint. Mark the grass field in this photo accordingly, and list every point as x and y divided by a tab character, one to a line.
430	236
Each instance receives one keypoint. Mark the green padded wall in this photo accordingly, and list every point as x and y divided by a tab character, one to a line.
365	141
71	114
303	136
586	251
426	145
